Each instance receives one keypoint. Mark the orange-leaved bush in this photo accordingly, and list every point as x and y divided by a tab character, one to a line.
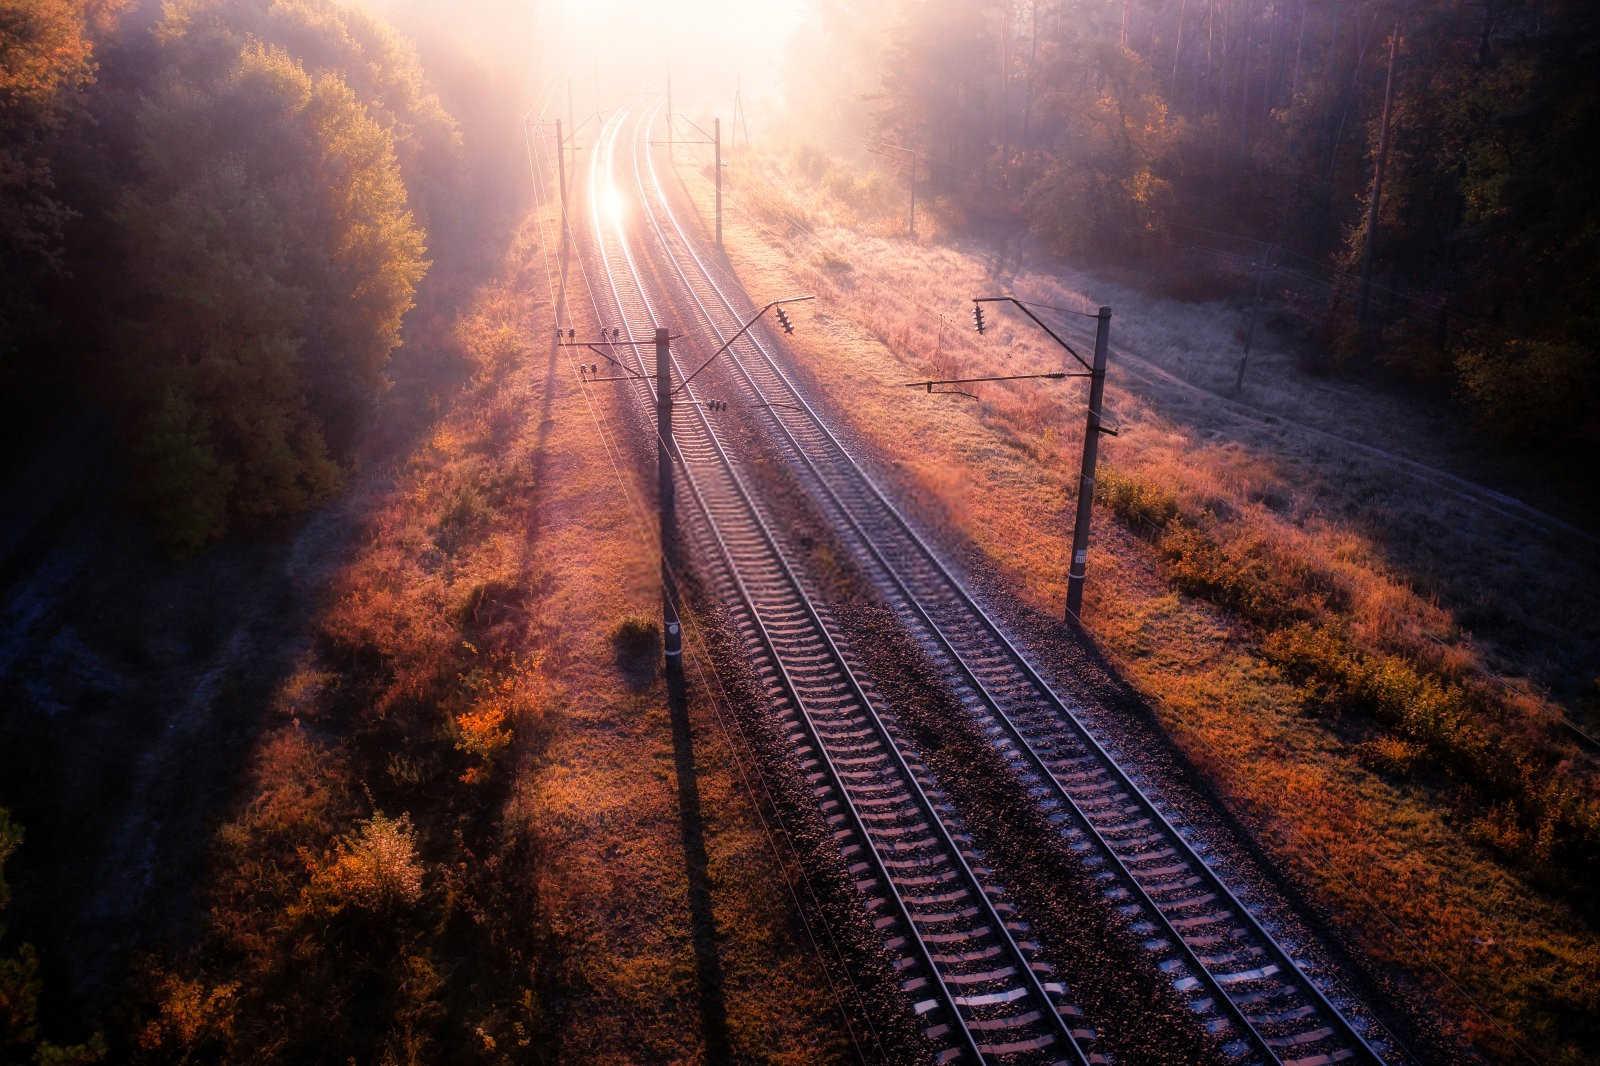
373	869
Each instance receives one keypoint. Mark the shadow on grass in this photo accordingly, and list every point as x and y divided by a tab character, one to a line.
636	647
708	966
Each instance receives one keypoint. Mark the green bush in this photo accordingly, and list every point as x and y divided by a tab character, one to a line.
1136	501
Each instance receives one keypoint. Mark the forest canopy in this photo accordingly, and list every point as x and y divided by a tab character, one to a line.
276	259
253	190
1188	138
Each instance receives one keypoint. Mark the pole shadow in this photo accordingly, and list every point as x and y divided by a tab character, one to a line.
703	922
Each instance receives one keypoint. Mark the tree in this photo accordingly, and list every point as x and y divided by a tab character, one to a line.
378	65
20	986
45	65
273	259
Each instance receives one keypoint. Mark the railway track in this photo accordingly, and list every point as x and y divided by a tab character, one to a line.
1263	1003
963	955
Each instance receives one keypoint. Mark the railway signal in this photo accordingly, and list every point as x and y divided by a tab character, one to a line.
783	317
1096	373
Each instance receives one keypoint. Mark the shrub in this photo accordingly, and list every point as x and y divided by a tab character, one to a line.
190	1015
1392	755
181	480
1136	500
466	514
374	869
1528	388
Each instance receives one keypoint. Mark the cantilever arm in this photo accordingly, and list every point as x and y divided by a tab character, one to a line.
742	331
1038	322
1057	376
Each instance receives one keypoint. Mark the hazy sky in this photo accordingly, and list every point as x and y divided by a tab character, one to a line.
708	44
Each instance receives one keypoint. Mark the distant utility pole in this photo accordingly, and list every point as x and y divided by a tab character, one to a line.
911	215
741	121
561	166
669	116
1096	373
567	140
1377	188
713	138
1255	311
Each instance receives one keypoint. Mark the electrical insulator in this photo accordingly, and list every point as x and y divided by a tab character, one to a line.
977	317
783	320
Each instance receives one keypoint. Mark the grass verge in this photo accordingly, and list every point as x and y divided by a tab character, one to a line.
1367	710
465	834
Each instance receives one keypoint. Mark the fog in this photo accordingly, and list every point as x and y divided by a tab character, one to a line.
616	49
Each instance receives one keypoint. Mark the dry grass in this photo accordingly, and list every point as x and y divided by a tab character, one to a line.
1268	590
461	838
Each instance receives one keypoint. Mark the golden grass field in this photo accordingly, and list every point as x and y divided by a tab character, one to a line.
461	796
1307	619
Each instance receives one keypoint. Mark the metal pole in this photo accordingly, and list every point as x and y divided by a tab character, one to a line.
561	164
669	118
1250	326
672	633
716	126
913	195
1091	453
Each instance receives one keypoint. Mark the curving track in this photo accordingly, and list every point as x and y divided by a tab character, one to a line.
964	957
1257	997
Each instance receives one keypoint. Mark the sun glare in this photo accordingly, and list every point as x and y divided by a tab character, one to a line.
613	204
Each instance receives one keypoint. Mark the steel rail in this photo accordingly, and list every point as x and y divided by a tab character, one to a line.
729	730
981	691
1357	1043
925	809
